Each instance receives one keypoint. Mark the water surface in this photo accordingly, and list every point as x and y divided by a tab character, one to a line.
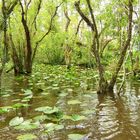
109	117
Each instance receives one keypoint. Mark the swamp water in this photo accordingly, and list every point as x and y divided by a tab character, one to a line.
88	116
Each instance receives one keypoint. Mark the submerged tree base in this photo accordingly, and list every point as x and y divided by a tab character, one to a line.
105	88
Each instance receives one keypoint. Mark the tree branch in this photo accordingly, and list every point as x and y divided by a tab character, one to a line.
68	19
38	10
78	27
126	45
50	27
12	7
89	23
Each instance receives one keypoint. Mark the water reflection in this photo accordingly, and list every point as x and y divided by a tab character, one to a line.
118	117
113	118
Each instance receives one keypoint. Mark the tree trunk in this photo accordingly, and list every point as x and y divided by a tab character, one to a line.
104	86
124	49
18	65
28	52
5	50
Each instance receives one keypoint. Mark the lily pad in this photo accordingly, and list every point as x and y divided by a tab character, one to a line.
51	127
16	100
47	109
27	125
40	118
19	105
73	102
27	92
75	136
16	121
6	95
76	117
26	137
63	94
5	109
45	93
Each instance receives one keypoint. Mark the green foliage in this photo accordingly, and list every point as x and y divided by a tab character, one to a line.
52	52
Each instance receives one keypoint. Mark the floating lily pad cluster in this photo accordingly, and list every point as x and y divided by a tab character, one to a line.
45	83
20	102
52	114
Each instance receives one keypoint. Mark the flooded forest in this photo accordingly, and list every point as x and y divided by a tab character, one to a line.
69	69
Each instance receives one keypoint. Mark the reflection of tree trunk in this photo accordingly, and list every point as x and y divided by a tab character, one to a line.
99	109
119	114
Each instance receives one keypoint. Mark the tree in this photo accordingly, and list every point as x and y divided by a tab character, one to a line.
104	85
7	9
24	56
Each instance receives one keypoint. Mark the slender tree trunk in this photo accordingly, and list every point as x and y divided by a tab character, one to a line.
95	45
104	86
5	49
4	58
68	49
124	49
17	62
28	52
28	59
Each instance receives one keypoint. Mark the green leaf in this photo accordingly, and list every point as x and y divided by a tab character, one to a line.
73	102
16	100
76	117
51	127
63	94
88	111
45	93
16	121
6	95
59	127
40	118
27	92
5	109
75	136
27	125
26	137
19	105
47	109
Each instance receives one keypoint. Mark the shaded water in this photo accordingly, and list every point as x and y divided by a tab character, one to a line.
108	117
